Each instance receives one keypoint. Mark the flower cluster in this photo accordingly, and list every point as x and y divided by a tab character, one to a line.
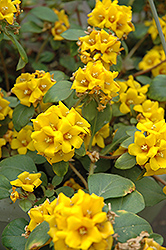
131	93
153	57
61	25
27	181
22	140
58	132
108	14
95	79
30	88
7	10
101	135
4	107
99	45
153	31
76	223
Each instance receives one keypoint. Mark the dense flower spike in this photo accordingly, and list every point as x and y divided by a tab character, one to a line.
22	141
95	77
110	15
76	223
99	45
27	181
30	88
153	31
61	25
58	132
7	10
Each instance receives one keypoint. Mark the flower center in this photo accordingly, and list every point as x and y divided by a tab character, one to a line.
67	136
47	139
82	230
26	92
160	154
144	147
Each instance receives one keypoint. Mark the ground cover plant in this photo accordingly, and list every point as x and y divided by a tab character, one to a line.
82	128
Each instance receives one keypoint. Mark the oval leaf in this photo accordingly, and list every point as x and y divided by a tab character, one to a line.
44	13
73	34
25	205
58	92
109	185
68	191
22	115
157	89
13	166
60	168
133	202
12	235
4	187
125	161
129	225
38	237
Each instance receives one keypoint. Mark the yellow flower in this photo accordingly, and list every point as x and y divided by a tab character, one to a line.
160	70
14	195
4	107
150	110
7	10
101	135
30	88
135	85
37	214
153	31
151	59
60	26
150	244
2	143
150	172
158	128
143	147
79	223
131	97
27	181
58	132
158	161
23	140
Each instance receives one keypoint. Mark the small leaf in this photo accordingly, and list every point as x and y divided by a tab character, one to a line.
13	166
4	187
25	205
60	168
56	180
22	115
81	151
68	62
38	159
110	185
13	101
58	75
38	237
140	30
144	79
133	202
89	110
157	237
30	27
125	161
12	237
68	191
157	89
73	34
46	56
49	193
21	64
44	179
44	13
129	225
1	36
127	142
58	92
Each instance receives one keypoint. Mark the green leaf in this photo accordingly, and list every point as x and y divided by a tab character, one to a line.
157	89
68	62
157	237
13	166
39	66
38	159
56	180
22	115
13	101
11	236
18	46
21	64
140	30
44	13
68	191
30	27
38	236
49	193
81	151
89	110
73	34
44	179
60	168
4	187
115	110
1	36
25	205
58	92
102	165
125	161
109	185
133	202
127	142
129	225
118	65
103	118
46	56
144	79
59	75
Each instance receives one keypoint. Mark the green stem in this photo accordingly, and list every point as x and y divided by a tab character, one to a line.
93	133
42	48
79	175
91	168
79	101
155	16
